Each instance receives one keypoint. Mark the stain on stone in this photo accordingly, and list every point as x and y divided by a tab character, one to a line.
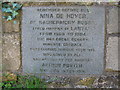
86	81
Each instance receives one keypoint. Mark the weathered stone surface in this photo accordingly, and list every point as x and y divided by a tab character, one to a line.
107	81
102	81
66	58
112	60
10	26
112	19
11	52
86	81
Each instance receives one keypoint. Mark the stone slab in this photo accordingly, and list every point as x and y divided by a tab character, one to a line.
112	19
67	45
11	52
112	59
10	26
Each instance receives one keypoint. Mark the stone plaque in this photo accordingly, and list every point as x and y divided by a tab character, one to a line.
66	40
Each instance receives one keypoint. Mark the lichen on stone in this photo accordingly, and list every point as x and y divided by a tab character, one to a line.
86	81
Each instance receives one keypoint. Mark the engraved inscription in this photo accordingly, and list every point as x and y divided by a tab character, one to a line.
63	40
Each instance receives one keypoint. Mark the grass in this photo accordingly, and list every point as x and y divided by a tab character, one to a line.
24	82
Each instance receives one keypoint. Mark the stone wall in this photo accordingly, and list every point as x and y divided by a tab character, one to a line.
11	45
113	33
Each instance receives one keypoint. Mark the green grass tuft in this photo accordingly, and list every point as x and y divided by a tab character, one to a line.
24	82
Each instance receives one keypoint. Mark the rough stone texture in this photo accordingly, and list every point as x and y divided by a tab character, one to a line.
11	52
103	81
107	81
112	60
10	26
112	20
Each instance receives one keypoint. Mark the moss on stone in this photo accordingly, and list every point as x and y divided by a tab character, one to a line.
56	85
7	76
56	4
87	81
111	70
